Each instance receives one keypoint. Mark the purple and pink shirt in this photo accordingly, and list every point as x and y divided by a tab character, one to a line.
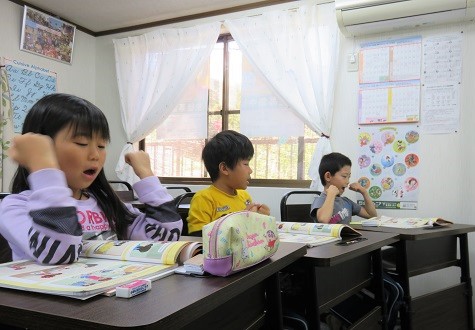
48	225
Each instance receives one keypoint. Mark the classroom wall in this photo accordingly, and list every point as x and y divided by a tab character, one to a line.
446	176
78	78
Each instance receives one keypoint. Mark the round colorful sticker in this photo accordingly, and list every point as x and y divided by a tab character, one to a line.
399	169
364	182
364	138
411	184
375	192
375	169
387	137
412	137
411	160
376	147
387	183
399	146
364	161
387	160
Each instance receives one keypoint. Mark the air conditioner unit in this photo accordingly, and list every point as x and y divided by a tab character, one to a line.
363	17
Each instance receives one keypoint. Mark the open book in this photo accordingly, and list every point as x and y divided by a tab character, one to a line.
167	253
314	234
384	221
103	266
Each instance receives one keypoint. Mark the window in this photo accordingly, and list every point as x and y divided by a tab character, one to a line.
277	161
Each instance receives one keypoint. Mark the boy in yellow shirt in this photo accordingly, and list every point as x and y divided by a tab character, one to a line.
226	157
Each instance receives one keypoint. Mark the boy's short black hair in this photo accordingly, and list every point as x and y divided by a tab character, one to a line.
228	147
332	162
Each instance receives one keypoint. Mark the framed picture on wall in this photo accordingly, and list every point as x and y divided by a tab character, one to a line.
47	36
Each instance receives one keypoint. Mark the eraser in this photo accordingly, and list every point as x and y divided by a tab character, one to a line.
133	288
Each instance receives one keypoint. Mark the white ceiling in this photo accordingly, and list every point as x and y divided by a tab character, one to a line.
99	16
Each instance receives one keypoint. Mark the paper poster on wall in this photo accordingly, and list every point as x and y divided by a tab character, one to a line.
389	81
441	82
4	120
26	84
388	165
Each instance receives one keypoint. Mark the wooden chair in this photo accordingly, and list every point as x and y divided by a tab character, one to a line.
293	212
127	194
5	251
182	204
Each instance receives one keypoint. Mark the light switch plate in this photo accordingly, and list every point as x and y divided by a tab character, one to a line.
352	62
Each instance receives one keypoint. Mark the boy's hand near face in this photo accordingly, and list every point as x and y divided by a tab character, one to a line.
332	191
368	210
140	162
356	186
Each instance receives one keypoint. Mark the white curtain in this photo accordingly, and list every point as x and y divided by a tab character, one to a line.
259	102
189	119
297	53
153	71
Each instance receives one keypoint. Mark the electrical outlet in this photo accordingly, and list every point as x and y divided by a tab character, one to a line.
352	62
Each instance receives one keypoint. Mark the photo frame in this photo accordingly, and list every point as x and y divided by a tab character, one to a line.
47	36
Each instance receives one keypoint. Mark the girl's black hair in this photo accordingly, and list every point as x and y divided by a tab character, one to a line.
51	114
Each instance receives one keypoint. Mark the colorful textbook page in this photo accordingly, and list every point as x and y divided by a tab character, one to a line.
167	253
314	234
103	265
83	279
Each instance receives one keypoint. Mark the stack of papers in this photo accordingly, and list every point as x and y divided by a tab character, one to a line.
193	265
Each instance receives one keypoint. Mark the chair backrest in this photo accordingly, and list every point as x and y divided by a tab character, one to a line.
174	189
297	212
123	189
182	204
3	195
5	251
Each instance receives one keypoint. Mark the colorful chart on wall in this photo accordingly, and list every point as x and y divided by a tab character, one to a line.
389	81
26	84
388	165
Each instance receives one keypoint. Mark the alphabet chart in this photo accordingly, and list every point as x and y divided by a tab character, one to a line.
27	84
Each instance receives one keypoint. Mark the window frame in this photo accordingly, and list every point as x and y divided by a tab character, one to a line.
225	38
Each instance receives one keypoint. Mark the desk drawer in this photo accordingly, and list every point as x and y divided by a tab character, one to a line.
371	321
443	309
431	254
245	311
340	281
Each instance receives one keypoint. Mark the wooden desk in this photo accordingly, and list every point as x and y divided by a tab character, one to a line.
424	250
249	299
336	272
